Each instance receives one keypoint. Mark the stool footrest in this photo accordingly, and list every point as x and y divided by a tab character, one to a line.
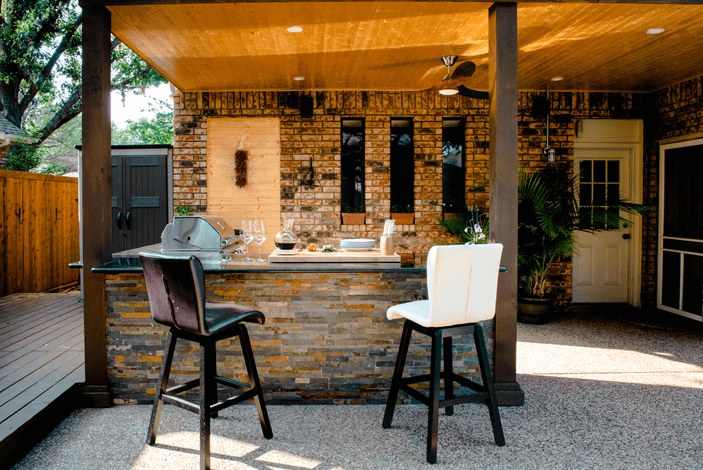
191	384
181	403
233	401
232	383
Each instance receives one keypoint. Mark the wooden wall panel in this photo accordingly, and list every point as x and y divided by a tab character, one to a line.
38	233
260	199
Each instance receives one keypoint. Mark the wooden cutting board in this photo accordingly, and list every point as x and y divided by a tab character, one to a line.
369	256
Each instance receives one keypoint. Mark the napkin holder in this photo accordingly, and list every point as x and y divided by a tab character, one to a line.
386	245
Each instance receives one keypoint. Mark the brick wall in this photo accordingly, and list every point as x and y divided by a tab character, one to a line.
670	112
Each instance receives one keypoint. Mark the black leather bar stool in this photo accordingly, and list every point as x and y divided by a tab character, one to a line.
462	283
176	287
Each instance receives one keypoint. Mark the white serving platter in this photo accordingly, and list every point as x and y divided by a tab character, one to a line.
340	256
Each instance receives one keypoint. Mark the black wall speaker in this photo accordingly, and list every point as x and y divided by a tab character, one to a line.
306	106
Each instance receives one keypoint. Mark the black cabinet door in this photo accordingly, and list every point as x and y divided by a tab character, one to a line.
139	200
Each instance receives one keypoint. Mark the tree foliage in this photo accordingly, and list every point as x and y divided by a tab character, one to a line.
40	65
143	131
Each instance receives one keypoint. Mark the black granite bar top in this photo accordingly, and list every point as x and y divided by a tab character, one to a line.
213	263
218	263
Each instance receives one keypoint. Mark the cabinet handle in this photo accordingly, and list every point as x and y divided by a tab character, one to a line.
128	220
119	220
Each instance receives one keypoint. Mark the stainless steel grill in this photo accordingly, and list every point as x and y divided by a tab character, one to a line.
202	234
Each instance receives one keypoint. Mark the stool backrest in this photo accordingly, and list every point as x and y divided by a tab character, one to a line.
176	288
462	283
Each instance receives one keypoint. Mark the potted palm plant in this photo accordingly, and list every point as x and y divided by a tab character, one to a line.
548	217
354	215
403	215
471	226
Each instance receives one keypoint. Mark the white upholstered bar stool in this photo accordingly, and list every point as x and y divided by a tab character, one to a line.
462	283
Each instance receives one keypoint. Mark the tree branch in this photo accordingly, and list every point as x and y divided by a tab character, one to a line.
68	111
129	81
46	73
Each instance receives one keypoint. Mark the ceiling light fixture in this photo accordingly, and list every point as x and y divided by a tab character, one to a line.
557	79
655	31
294	29
298	79
448	61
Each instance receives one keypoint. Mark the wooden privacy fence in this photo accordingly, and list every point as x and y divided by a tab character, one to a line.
38	231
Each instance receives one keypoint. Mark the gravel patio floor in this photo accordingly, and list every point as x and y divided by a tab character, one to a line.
611	389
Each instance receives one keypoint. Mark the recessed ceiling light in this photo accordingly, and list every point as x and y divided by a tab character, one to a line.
295	29
298	79
655	31
448	91
557	79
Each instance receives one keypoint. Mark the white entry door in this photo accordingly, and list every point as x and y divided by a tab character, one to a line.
601	267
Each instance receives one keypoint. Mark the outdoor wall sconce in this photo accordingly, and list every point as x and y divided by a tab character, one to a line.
540	109
310	178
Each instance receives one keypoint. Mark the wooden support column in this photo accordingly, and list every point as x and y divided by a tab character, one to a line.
503	168
96	223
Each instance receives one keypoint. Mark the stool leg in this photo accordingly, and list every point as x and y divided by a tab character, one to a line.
254	382
433	415
213	396
448	372
488	385
397	375
206	382
161	389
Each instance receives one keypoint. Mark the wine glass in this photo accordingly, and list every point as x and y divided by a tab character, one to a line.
246	235
259	235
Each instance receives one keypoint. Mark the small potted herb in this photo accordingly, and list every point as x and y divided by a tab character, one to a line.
354	215
403	215
184	211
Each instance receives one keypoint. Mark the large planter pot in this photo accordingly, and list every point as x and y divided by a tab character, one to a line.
536	311
403	218
353	218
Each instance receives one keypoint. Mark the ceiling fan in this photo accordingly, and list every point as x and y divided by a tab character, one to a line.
452	83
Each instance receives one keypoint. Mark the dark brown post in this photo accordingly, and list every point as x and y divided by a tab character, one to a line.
503	166
96	223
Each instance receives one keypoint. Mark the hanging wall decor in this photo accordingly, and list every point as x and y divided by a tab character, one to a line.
240	168
241	158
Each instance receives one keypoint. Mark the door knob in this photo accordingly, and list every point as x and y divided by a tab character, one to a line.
626	236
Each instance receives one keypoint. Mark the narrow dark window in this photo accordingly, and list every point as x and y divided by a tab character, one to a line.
453	141
402	166
353	163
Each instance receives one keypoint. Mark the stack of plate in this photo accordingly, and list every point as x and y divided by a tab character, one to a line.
358	244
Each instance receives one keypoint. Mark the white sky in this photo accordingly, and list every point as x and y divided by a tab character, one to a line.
135	106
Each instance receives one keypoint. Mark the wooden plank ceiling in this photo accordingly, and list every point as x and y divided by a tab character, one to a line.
396	46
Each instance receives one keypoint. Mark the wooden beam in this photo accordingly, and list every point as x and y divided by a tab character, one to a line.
96	223
503	166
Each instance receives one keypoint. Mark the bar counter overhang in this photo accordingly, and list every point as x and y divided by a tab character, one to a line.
326	338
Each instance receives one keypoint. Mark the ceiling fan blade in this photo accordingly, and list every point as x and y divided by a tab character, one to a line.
458	76
479	95
464	71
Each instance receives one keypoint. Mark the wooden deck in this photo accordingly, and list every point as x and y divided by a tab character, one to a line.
41	361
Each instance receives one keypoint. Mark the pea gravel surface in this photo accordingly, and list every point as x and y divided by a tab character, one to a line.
601	392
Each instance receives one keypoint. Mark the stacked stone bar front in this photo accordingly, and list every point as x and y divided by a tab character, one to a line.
326	339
